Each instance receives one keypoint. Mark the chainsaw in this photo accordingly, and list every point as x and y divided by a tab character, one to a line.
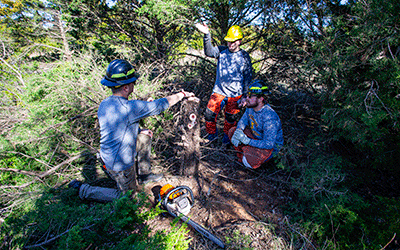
178	202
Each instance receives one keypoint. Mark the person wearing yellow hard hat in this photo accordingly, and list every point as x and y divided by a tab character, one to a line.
258	135
234	74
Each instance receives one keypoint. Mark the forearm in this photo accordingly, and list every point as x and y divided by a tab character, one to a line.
263	144
209	49
174	99
243	122
269	137
247	74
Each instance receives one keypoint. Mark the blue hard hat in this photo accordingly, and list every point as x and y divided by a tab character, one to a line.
119	72
258	87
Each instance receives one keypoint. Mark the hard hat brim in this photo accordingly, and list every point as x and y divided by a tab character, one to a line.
229	39
108	83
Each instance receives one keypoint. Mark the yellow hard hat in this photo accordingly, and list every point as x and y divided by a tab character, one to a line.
234	33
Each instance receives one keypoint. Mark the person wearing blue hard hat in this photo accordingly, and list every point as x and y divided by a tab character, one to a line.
119	72
125	147
258	135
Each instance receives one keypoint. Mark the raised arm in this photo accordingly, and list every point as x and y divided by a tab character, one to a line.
209	49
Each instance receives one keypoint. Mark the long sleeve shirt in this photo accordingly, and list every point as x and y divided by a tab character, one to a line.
234	70
265	126
119	126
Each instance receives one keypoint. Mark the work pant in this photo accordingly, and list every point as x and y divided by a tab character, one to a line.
250	156
215	105
126	179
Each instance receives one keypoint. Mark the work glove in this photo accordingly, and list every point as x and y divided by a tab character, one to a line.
234	140
240	137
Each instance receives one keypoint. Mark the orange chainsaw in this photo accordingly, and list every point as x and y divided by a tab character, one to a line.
178	202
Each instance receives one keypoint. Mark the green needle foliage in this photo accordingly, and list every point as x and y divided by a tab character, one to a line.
59	220
334	73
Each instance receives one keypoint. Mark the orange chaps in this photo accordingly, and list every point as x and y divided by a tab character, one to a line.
214	106
249	155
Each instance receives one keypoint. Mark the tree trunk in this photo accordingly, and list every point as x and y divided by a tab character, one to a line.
189	130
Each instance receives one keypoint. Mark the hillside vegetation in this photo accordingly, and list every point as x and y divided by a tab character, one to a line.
334	73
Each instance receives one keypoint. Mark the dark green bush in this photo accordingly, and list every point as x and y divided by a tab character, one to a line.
73	224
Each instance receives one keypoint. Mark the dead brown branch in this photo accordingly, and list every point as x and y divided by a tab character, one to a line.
44	174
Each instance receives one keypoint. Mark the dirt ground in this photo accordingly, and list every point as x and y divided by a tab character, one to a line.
240	206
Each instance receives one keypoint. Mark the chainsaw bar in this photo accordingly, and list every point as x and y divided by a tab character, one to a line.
178	202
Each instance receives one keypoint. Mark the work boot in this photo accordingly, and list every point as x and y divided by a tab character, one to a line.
146	178
225	139
75	184
212	137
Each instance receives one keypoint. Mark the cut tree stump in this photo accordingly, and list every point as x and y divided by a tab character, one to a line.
189	133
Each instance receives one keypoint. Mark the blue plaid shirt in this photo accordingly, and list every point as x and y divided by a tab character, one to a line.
119	126
234	70
265	126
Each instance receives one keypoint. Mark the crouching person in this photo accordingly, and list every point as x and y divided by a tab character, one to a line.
258	135
124	147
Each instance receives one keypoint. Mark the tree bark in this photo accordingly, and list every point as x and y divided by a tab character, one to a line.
189	130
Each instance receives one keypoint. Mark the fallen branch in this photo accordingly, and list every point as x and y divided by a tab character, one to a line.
50	171
55	237
19	171
18	187
41	175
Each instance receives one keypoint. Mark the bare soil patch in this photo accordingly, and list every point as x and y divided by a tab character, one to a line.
230	201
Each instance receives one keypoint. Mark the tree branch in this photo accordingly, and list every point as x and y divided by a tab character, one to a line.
55	237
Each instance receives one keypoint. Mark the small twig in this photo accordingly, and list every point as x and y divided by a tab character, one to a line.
212	182
391	52
54	152
372	92
394	236
294	230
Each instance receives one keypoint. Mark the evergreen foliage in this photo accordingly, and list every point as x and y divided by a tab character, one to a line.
334	75
59	220
358	62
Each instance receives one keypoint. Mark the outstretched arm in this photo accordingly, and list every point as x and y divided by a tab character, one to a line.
174	99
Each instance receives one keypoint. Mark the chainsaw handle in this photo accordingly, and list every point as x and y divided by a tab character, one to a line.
177	189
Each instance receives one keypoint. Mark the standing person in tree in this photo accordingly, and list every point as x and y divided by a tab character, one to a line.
234	74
